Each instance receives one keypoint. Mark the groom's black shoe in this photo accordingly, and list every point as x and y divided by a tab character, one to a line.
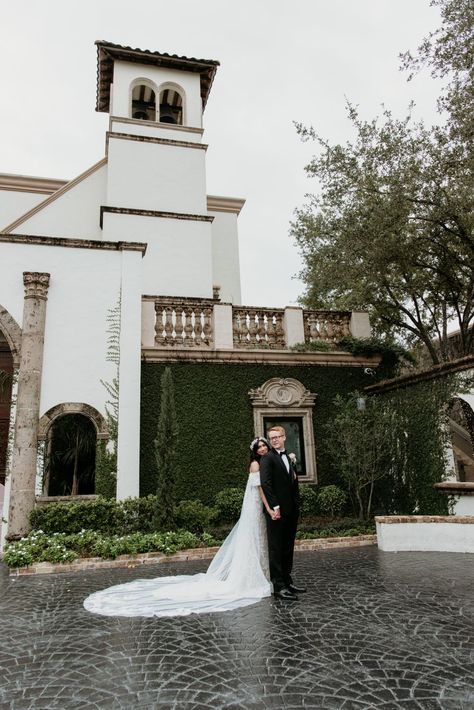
296	590
285	594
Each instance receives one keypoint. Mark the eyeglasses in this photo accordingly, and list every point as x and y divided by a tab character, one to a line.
272	438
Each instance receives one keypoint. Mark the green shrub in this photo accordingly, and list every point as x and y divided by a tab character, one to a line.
101	514
229	504
332	500
107	516
309	501
59	547
194	516
336	531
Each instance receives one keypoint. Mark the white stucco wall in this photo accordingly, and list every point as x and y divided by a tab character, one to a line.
128	480
75	213
154	176
84	285
13	204
178	260
225	256
426	537
125	73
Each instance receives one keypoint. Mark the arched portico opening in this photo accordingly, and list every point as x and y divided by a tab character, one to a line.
6	383
68	434
10	349
461	426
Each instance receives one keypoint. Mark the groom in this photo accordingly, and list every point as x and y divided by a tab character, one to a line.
280	485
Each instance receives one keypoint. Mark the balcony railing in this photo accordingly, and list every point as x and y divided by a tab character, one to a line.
207	324
183	323
328	326
258	328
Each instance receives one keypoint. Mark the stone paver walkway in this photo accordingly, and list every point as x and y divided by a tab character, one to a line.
375	630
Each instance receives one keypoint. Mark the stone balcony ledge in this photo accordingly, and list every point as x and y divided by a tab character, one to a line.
203	329
335	358
460	488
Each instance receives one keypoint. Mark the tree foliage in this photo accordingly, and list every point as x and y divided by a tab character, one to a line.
391	228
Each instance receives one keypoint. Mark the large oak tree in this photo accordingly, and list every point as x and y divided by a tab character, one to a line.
390	228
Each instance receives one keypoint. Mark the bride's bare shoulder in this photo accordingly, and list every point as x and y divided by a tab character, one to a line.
254	467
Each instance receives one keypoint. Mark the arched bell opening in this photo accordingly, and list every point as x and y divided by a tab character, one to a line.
70	456
171	106
143	103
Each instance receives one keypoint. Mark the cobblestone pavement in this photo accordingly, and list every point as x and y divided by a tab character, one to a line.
375	630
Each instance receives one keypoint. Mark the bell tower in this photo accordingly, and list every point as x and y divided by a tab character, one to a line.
156	176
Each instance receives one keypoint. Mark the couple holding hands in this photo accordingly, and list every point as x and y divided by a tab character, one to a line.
255	560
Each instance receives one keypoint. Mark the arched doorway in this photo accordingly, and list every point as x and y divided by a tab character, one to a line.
70	456
6	382
461	425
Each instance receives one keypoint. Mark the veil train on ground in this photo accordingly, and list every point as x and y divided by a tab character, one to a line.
237	576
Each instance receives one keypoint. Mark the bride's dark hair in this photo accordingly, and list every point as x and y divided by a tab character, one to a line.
255	445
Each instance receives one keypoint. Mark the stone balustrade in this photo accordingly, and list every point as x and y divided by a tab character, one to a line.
183	323
327	326
207	324
258	328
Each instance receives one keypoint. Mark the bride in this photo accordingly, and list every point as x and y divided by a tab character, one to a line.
237	576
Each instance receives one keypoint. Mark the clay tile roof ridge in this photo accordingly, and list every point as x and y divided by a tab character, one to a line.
111	45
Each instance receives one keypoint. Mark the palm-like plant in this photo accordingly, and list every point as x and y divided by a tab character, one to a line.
71	463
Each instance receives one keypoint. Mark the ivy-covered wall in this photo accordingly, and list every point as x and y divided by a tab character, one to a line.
215	419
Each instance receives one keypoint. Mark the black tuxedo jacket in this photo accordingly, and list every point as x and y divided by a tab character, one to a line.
279	486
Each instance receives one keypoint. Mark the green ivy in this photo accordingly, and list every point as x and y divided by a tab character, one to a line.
215	420
417	447
392	354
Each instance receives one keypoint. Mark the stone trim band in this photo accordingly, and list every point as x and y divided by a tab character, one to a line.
153	213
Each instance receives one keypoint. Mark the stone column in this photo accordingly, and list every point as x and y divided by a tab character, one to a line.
23	468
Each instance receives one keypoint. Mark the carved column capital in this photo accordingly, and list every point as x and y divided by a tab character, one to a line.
36	284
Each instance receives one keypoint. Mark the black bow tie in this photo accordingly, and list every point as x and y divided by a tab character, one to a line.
282	453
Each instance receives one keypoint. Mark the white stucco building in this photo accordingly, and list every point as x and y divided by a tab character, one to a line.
135	240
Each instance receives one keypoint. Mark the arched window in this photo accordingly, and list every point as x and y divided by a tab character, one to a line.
70	456
143	103
171	106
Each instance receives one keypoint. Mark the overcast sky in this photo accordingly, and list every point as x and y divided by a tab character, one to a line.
280	62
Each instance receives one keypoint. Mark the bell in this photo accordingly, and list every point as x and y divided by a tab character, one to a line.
167	114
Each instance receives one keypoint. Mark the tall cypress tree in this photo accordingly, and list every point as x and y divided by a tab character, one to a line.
166	446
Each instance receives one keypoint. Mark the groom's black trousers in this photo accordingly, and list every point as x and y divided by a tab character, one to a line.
281	541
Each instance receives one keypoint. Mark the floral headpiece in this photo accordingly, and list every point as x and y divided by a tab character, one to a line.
256	440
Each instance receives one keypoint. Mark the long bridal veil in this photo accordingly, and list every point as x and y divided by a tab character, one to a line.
237	576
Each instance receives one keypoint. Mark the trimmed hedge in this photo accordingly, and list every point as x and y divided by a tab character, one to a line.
110	517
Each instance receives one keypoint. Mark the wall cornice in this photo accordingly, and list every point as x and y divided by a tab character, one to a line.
106	209
72	243
155	124
225	204
153	139
263	357
27	183
444	368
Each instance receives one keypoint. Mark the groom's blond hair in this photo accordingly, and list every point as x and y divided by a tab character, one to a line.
277	428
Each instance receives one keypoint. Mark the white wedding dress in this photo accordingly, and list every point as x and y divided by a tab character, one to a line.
237	576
